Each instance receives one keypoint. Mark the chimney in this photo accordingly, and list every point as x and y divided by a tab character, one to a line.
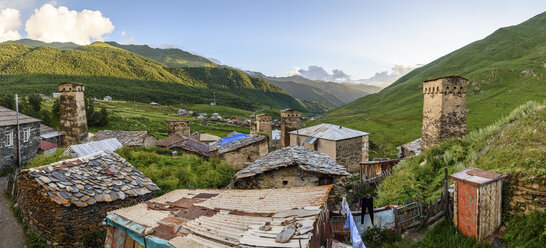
181	127
73	120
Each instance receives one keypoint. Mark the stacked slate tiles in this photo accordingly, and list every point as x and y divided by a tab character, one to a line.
65	200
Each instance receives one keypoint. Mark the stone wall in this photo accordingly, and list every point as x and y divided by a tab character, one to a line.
286	177
349	153
63	226
181	127
73	120
263	125
525	194
444	111
241	157
290	121
8	155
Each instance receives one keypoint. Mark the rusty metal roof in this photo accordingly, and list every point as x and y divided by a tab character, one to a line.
305	158
99	177
224	218
8	117
477	176
329	132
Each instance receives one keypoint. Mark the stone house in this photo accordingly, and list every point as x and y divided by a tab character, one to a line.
444	111
66	200
191	218
347	146
126	138
85	149
410	149
183	144
243	151
50	135
292	166
29	135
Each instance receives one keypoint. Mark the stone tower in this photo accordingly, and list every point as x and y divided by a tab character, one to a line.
181	127
444	111
261	124
290	121
73	120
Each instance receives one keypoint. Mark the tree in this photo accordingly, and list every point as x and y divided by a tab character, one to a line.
8	101
56	108
44	115
35	102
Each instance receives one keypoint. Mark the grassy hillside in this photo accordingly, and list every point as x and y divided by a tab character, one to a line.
168	56
505	69
37	43
108	70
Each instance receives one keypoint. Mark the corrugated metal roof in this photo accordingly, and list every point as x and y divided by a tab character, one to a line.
225	218
93	147
276	134
47	132
329	132
8	117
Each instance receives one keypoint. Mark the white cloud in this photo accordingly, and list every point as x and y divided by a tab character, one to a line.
9	24
385	78
314	72
50	24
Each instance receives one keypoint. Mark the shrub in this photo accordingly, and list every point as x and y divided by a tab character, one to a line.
445	235
526	231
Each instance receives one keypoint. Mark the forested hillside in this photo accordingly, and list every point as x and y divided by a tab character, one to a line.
108	70
504	70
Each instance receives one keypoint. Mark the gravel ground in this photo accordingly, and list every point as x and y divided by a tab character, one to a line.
11	231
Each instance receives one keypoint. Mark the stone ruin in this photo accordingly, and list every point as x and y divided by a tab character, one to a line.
444	111
73	120
181	127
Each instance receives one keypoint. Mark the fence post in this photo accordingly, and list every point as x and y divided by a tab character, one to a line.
421	215
446	195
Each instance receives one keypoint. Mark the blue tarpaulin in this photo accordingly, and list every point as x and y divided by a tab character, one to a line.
227	140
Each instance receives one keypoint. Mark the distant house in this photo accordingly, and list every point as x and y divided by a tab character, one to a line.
347	146
126	138
50	135
216	117
182	112
85	149
410	149
154	104
213	103
29	137
194	218
292	166
66	200
107	98
46	147
183	144
56	95
240	152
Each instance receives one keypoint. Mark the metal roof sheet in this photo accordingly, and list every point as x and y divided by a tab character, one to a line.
93	147
329	132
477	176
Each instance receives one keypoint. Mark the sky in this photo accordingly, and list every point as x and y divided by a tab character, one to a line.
333	40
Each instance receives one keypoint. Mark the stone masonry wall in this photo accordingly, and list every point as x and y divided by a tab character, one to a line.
63	226
290	121
73	120
181	127
263	125
8	155
526	194
247	154
349	153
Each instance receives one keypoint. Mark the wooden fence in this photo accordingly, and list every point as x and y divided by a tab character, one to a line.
373	172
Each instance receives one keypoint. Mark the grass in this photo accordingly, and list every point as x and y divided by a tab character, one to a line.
526	231
493	67
424	174
445	235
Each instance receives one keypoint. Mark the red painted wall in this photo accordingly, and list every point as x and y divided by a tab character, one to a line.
467	209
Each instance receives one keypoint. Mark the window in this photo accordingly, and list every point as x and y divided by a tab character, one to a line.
9	138
26	134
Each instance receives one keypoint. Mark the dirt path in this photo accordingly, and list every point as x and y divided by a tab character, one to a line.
11	232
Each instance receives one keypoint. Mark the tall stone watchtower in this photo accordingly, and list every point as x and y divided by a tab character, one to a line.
444	112
73	120
290	121
181	127
261	124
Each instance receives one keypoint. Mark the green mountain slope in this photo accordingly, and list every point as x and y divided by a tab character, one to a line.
504	70
108	70
170	56
37	43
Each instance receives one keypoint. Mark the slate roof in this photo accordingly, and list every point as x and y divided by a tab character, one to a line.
126	138
223	218
238	144
8	117
329	132
93	147
208	137
305	158
99	177
47	132
177	141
